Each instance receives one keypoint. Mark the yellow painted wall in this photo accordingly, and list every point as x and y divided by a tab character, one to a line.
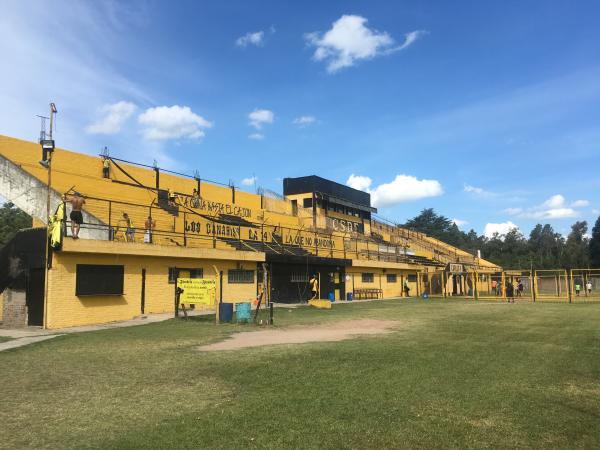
65	309
390	290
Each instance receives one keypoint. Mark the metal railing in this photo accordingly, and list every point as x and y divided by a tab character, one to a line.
191	227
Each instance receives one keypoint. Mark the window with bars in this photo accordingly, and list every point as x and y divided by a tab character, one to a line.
178	272
240	276
392	278
299	277
367	277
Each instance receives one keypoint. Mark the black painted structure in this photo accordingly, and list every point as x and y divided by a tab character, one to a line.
290	277
22	269
330	195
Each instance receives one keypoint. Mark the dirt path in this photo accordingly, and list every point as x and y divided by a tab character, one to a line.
331	332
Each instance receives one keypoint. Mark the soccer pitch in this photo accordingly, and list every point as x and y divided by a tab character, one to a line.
449	374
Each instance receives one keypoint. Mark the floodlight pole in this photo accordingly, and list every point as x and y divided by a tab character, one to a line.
48	150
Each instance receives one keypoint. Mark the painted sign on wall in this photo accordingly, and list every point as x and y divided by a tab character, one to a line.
344	225
197	291
456	268
216	207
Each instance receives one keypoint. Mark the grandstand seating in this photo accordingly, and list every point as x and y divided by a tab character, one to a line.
132	190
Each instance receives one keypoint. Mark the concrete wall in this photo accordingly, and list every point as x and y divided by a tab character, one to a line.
30	195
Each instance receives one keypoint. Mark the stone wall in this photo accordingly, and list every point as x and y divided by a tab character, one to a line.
14	309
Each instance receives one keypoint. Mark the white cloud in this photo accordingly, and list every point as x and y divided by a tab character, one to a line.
404	188
260	117
350	40
256	136
556	213
172	122
250	181
513	211
251	38
556	201
459	223
553	208
595	211
477	191
304	121
500	228
114	116
580	204
359	182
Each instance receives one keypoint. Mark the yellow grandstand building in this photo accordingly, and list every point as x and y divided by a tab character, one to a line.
121	267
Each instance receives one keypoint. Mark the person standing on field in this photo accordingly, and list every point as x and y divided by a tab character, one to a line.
588	286
314	287
406	288
577	288
510	292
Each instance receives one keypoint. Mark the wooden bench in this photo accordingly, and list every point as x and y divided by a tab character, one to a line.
366	293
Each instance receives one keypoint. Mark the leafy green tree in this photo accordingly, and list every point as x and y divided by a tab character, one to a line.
429	222
594	245
545	247
11	220
576	248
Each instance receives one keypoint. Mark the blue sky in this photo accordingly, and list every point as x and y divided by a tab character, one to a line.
488	112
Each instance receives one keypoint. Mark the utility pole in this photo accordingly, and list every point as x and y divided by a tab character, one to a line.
47	142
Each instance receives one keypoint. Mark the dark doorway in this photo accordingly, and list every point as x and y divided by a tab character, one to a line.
290	282
34	297
143	300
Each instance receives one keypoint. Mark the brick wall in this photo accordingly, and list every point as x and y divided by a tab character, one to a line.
65	309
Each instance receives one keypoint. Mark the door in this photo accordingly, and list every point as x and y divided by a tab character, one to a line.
34	297
143	299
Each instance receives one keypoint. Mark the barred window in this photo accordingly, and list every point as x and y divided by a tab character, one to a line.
238	276
392	278
299	277
367	277
178	272
412	278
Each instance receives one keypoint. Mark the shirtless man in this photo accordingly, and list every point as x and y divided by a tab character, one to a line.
77	202
149	225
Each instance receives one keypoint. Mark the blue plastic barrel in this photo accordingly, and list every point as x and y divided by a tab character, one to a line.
225	312
331	297
243	312
349	296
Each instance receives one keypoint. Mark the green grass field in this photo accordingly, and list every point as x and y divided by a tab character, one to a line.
455	374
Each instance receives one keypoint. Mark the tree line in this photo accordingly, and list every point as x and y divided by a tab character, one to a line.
12	220
544	248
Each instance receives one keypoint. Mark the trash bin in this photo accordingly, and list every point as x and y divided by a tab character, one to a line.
225	312
243	312
331	297
349	296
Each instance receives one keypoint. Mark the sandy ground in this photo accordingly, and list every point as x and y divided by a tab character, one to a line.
332	332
